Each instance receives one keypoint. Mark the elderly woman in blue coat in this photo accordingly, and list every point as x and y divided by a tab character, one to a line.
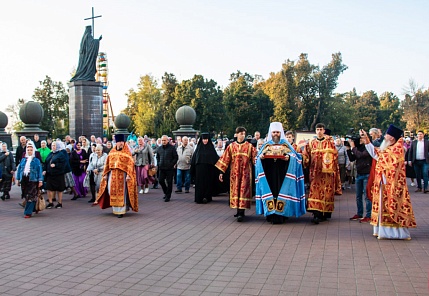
30	177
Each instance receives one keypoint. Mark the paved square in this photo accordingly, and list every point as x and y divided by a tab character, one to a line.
182	248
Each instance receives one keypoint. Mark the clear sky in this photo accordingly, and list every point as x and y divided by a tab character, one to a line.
383	43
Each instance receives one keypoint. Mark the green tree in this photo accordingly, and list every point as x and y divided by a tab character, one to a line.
205	96
367	110
166	116
415	108
340	117
327	81
281	89
390	111
146	103
240	103
306	88
54	100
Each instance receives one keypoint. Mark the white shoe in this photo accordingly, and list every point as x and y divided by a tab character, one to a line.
146	190
412	184
141	191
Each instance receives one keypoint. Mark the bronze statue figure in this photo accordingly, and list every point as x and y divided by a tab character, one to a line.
86	67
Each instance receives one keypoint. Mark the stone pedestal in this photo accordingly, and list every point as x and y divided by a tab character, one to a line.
185	117
85	108
31	114
122	122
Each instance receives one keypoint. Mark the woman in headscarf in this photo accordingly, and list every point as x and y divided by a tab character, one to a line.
56	163
95	169
144	158
203	170
68	176
30	177
78	162
86	145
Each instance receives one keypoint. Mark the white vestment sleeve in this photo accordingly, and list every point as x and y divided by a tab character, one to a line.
371	150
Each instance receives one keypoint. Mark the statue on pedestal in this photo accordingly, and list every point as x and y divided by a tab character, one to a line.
86	68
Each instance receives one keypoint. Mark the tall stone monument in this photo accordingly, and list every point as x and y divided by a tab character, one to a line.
185	117
31	114
86	94
5	137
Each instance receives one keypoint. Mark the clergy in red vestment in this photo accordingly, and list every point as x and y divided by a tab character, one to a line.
324	175
240	156
118	188
392	212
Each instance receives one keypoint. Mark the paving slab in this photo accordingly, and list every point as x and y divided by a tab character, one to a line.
183	248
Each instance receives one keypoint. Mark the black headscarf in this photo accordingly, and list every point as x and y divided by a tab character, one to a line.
205	153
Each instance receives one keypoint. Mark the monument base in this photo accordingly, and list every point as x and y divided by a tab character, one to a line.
185	130
85	108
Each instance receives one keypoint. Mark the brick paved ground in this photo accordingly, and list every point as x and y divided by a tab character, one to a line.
181	248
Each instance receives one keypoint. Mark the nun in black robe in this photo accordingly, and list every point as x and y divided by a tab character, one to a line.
204	171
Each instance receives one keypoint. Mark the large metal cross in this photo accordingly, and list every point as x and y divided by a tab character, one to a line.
92	18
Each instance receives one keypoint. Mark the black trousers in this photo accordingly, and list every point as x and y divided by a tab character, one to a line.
166	181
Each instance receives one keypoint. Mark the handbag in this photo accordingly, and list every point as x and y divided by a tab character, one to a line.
152	171
40	203
86	181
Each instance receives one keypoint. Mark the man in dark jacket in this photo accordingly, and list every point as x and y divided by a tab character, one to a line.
363	166
166	157
8	167
419	159
20	150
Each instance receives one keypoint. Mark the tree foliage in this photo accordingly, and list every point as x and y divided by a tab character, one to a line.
243	102
54	100
415	110
143	105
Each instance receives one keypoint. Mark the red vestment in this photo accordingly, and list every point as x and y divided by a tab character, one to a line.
323	185
241	158
119	164
396	209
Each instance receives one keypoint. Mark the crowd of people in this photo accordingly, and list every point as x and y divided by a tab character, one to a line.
285	179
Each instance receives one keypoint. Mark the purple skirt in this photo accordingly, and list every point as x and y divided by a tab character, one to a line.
143	177
78	180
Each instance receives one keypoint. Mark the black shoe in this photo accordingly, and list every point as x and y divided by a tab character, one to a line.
167	199
120	216
75	197
186	191
178	191
204	200
50	205
7	196
315	220
59	206
155	187
2	197
240	218
91	200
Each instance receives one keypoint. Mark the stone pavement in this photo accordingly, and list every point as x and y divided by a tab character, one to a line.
181	248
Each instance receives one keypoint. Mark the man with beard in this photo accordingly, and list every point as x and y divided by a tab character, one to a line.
8	170
118	188
324	175
240	155
280	190
392	212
